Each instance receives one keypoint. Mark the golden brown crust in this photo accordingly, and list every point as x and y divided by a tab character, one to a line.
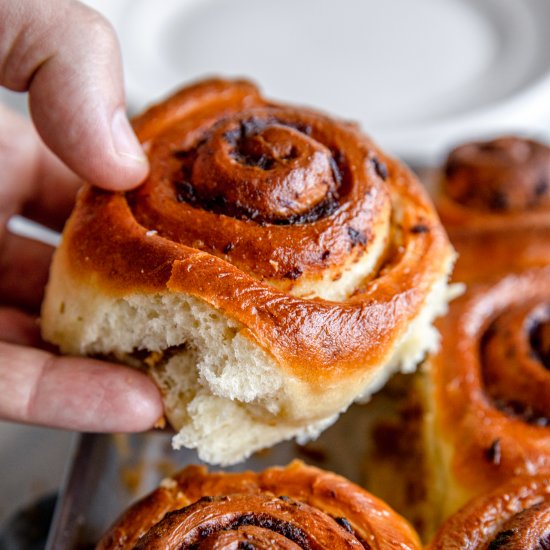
490	382
487	255
494	200
299	502
185	232
508	174
515	515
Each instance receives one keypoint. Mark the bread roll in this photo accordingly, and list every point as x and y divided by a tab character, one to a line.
494	200
511	517
297	506
487	411
274	267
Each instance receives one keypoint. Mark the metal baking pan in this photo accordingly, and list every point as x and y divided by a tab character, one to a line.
109	472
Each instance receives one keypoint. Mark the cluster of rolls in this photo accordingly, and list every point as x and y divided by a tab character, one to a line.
483	400
487	390
275	267
477	415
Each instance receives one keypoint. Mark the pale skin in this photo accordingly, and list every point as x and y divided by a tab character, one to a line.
66	57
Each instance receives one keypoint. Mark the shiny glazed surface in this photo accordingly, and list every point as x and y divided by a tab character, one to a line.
514	516
494	200
491	381
294	507
318	198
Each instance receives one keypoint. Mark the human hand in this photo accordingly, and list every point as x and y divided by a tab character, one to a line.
67	57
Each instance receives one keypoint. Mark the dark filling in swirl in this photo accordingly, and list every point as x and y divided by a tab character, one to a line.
262	169
284	528
540	342
281	193
208	521
528	530
515	354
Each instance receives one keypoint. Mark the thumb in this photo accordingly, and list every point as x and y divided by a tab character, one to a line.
66	55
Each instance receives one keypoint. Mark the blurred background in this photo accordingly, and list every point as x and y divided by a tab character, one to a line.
418	75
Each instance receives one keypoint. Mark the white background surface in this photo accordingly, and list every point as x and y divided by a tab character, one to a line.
418	75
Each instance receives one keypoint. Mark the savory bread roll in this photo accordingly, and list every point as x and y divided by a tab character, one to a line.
486	392
494	201
273	268
511	517
294	507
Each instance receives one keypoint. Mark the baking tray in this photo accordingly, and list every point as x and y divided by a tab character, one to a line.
109	472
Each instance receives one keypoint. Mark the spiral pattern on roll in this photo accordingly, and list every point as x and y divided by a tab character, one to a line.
494	196
514	354
508	174
326	251
515	515
294	507
282	193
491	382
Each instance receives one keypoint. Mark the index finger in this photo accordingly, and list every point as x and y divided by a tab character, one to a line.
66	55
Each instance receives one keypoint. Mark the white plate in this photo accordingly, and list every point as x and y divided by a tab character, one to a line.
418	75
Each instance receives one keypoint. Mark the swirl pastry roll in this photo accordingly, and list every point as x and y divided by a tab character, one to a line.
494	200
513	516
273	268
487	390
293	507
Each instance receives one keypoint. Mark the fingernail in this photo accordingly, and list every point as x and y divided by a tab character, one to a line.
124	139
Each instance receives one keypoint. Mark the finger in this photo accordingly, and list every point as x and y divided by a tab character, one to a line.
24	268
67	56
78	394
34	182
52	191
19	328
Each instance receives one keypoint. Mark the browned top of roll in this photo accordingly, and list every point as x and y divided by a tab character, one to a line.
494	200
280	192
297	507
508	174
492	381
515	515
247	199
